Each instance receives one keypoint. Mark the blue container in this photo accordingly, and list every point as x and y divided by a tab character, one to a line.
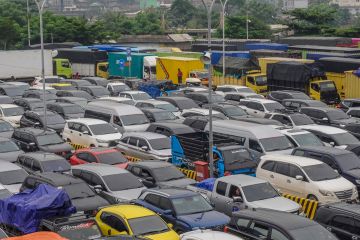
267	46
216	55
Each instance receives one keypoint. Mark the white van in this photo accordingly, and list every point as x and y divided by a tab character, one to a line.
126	118
260	139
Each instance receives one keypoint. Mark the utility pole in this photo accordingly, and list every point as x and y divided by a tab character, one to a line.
28	21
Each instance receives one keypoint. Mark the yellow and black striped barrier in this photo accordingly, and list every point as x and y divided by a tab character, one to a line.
188	173
77	146
132	159
309	206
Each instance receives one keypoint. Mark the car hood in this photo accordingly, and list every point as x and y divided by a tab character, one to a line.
137	128
13	188
129	194
181	183
335	185
89	203
10	156
240	117
12	119
109	137
277	203
169	235
205	220
56	148
353	173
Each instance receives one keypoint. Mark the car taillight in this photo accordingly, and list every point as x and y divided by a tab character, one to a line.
226	229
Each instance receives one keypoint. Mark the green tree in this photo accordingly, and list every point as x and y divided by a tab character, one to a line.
9	32
235	27
180	13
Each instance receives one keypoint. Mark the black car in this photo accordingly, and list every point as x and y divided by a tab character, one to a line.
287	94
66	110
82	196
349	103
82	102
296	104
6	100
180	102
39	162
38	93
159	174
202	98
35	139
6	130
37	119
30	104
158	115
96	91
74	93
346	163
342	219
98	81
11	90
169	128
269	224
77	82
291	119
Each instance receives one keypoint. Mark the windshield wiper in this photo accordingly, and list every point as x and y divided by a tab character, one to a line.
154	232
175	178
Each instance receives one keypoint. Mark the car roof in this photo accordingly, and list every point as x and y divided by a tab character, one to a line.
146	135
87	121
301	161
173	192
129	211
133	92
208	234
93	86
97	149
101	169
42	156
153	101
241	180
293	131
259	100
324	129
325	150
9	106
35	131
125	108
8	166
151	164
324	109
30	100
62	104
59	179
152	110
73	98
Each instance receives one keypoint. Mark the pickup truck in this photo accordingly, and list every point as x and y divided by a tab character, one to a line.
233	193
229	156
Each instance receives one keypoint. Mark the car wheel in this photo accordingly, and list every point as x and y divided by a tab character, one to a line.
312	197
92	145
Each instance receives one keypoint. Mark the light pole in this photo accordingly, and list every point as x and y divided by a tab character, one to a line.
247	21
28	22
40	4
223	6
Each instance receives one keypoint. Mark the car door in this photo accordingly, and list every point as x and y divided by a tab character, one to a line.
84	136
220	199
343	227
132	147
281	177
296	187
144	150
112	224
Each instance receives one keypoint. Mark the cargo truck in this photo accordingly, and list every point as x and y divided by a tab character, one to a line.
169	68
25	65
86	62
142	65
307	78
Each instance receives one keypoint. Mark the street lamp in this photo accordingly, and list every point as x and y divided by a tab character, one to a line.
223	6
28	22
40	4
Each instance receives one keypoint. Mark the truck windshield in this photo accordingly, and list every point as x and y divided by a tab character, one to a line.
276	143
191	205
80	230
261	80
327	86
259	192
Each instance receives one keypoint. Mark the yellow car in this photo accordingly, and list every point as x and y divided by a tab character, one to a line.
134	221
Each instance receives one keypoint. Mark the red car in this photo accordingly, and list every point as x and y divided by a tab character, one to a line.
103	155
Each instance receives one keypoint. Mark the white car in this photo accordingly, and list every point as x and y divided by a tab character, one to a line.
90	132
11	113
117	99
208	235
306	178
49	80
222	89
202	112
259	107
135	95
158	104
116	87
301	138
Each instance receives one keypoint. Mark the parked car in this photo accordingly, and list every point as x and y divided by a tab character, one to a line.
202	112
114	184
202	98
9	150
306	178
260	107
294	120
96	91
135	221
102	155
66	110
74	93
145	146
90	132
159	105
116	87
34	139
11	176
198	123
281	95
207	234
81	195
238	192
296	104
159	174
30	104
235	97
78	83
97	81
135	95
11	90
6	99
117	100
168	128
11	113
39	94
6	130
49	80
233	88
82	102
158	115
63	86
342	219
180	102
302	138
184	209
346	104
275	225
39	162
37	119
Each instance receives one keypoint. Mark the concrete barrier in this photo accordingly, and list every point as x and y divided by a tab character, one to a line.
309	206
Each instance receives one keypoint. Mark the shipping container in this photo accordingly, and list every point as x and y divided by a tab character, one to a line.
217	55
352	85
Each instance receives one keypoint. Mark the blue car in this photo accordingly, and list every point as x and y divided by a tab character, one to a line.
185	209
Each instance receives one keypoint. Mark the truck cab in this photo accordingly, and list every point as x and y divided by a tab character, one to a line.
202	74
257	81
102	69
62	67
325	91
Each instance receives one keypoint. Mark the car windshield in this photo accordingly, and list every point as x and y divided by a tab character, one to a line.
13	177
99	91
134	119
234	112
78	190
111	158
81	94
13	111
13	91
120	88
191	205
73	109
141	96
160	143
186	104
102	129
49	139
167	173
53	119
164	116
48	96
261	81
60	165
320	172
5	127
147	225
167	107
8	146
348	162
276	143
301	119
307	139
312	232
217	98
82	231
272	107
120	182
259	192
344	138
337	114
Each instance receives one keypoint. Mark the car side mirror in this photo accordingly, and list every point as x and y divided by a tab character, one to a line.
335	170
325	119
238	199
145	148
98	188
85	132
299	177
170	225
37	124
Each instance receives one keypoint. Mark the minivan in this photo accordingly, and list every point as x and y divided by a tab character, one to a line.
124	117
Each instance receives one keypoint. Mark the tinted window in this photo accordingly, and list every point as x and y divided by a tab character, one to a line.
277	235
150	224
102	129
254	145
307	139
49	139
259	230
282	168
320	172
111	158
221	188
120	182
190	205
153	199
269	165
257	192
344	223
160	143
295	171
242	224
167	173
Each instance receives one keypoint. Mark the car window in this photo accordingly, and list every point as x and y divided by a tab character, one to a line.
259	230
269	165
295	171
329	162
113	221
142	143
125	140
254	145
283	119
277	235
221	188
282	168
344	223
133	141
299	153
242	223
136	171
153	199
165	203
314	155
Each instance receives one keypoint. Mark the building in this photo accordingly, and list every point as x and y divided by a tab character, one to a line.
293	4
352	5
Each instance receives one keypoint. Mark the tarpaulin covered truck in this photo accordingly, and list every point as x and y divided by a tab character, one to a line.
307	78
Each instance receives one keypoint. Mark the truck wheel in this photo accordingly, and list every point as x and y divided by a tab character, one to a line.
312	197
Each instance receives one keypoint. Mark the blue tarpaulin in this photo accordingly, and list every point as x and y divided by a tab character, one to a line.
25	210
268	46
207	184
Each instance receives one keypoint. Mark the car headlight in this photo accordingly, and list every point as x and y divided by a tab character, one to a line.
102	141
342	125
357	181
326	193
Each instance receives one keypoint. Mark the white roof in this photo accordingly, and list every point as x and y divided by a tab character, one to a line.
200	111
145	135
41	87
300	161
259	100
323	128
233	86
87	121
133	92
8	106
208	235
153	101
116	84
292	132
117	99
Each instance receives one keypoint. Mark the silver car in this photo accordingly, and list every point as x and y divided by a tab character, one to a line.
145	146
11	176
9	151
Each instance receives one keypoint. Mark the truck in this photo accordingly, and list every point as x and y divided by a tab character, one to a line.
25	65
85	62
142	65
233	193
191	151
168	68
307	78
